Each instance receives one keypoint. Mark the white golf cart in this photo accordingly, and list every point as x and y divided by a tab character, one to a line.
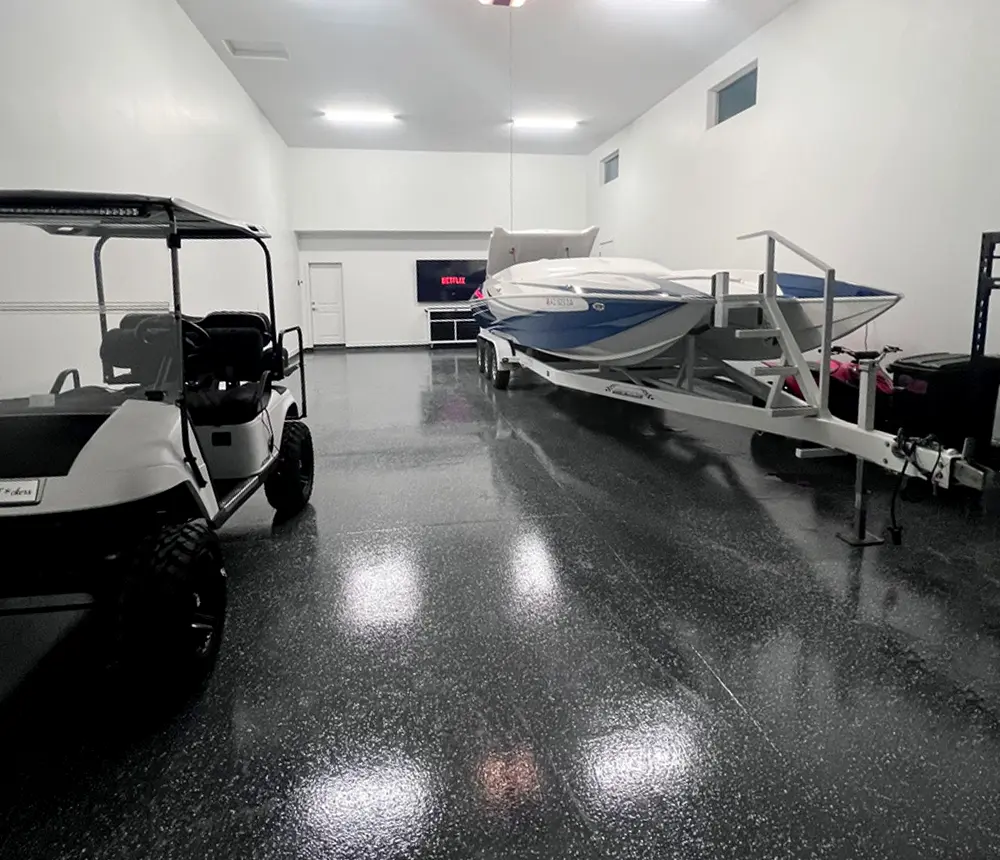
129	433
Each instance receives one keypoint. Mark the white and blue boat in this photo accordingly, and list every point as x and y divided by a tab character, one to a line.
544	292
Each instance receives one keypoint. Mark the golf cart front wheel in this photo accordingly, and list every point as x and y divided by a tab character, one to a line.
173	605
290	485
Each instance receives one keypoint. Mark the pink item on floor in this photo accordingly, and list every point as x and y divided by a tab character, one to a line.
848	373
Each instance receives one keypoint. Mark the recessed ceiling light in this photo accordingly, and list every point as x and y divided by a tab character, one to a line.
360	117
512	3
544	123
256	50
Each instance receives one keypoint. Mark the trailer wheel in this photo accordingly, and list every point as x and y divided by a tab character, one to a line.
289	487
481	354
172	607
499	378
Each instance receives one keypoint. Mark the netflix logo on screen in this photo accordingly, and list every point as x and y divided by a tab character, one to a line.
449	281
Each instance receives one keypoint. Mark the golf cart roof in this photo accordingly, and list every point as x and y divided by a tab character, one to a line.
134	216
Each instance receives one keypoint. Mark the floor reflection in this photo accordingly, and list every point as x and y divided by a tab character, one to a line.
644	751
382	588
534	577
508	779
370	809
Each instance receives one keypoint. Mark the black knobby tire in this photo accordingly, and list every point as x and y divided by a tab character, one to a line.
484	347
290	485
488	359
172	606
499	378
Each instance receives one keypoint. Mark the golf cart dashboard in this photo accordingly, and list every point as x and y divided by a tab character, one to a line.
46	444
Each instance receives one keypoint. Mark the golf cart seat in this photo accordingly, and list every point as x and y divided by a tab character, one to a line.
131	321
237	319
229	380
239	384
121	348
250	319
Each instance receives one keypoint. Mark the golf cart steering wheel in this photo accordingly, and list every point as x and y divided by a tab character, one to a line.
152	329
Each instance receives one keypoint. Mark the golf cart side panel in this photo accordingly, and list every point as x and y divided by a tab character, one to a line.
240	451
282	405
136	453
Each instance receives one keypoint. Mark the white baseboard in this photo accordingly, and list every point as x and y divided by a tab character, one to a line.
388	345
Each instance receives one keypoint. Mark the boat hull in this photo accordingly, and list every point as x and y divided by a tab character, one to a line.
606	331
624	312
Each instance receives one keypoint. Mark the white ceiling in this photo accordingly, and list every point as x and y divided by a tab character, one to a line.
442	65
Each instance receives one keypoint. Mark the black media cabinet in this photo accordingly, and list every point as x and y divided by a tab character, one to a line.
451	326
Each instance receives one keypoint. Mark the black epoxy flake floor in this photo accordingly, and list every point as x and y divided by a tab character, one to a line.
529	624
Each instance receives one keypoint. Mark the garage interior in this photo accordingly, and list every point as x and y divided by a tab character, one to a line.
527	621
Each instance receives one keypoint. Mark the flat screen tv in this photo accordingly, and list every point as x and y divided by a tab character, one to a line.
449	281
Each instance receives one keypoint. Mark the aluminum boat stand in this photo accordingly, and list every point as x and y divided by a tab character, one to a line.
859	534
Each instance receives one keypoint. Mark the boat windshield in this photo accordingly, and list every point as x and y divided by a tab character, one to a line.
65	351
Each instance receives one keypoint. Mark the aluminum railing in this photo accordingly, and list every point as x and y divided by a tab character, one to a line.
770	292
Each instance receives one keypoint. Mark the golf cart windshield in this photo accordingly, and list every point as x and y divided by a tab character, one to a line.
87	320
68	350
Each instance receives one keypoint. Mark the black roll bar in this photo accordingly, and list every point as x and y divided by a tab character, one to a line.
299	365
278	338
270	289
174	244
106	367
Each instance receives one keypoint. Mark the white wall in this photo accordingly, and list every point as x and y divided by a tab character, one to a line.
378	212
434	191
380	282
873	144
118	95
125	95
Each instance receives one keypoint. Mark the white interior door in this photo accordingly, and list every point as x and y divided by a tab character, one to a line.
326	292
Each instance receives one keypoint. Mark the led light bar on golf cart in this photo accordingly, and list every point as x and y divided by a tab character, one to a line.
81	213
106	212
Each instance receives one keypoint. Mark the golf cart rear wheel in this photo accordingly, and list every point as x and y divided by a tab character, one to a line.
173	605
290	485
499	378
481	347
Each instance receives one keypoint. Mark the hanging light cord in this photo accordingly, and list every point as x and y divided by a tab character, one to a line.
510	116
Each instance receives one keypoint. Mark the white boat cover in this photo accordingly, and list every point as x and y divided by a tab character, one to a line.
526	246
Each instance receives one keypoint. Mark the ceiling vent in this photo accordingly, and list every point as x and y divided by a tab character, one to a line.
256	50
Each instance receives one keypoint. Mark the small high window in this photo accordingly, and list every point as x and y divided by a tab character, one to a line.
609	168
734	95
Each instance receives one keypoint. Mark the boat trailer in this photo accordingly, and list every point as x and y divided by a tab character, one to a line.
690	382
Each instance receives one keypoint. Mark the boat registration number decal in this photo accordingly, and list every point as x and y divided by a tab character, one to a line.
560	304
19	492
